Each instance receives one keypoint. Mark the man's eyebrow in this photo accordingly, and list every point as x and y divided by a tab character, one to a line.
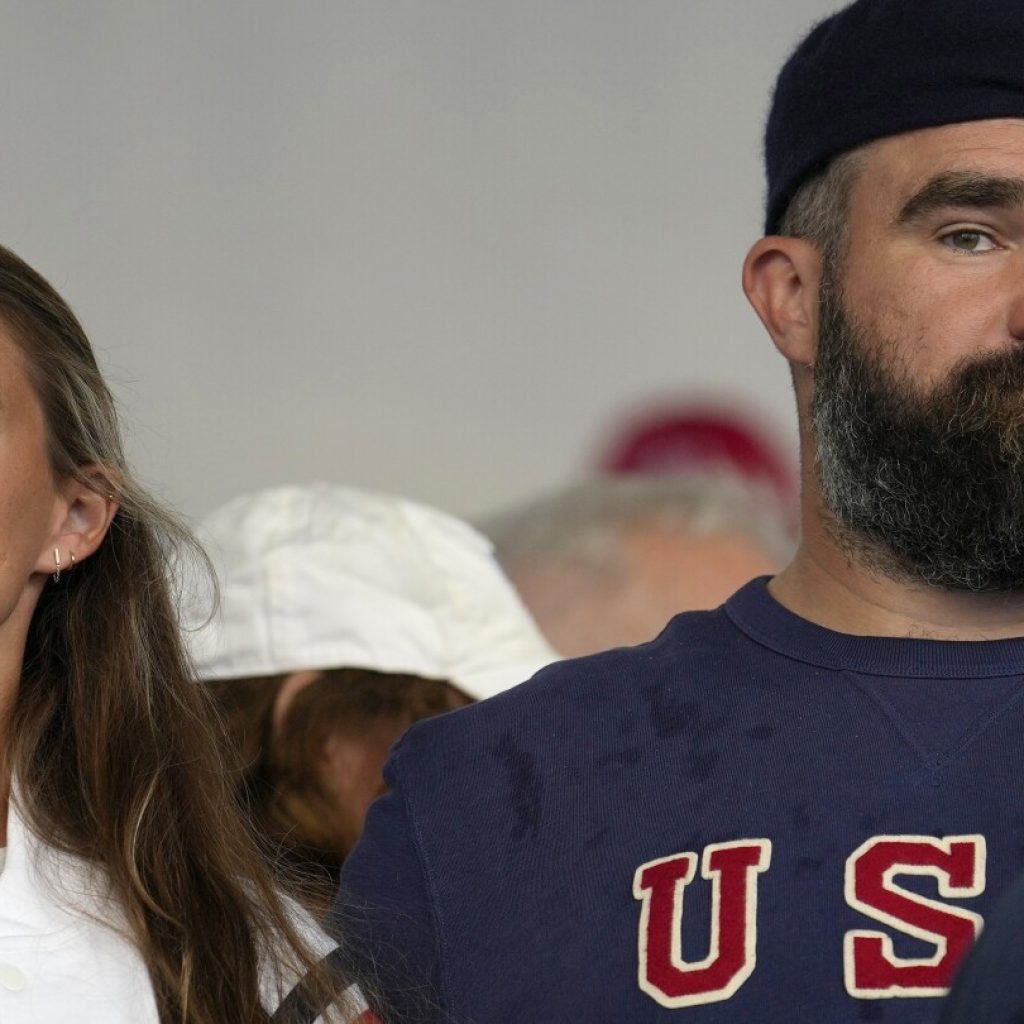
963	188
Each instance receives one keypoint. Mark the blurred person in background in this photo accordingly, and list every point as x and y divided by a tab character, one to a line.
344	617
700	436
608	562
130	888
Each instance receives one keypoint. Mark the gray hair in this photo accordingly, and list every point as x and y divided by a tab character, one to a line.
582	525
820	207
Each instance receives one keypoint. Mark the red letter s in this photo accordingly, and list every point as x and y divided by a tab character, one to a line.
870	966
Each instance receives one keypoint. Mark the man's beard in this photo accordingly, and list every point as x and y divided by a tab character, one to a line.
923	486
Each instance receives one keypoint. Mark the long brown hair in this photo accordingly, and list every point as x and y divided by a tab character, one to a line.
279	771
112	744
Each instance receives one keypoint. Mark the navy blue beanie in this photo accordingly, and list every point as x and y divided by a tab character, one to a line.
882	67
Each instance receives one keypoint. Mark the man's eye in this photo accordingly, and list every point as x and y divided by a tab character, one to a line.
969	241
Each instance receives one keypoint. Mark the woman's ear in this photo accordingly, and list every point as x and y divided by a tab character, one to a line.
89	508
781	277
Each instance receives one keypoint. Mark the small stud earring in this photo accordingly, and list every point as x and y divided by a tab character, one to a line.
56	559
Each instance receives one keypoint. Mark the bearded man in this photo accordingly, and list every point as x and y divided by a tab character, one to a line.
800	806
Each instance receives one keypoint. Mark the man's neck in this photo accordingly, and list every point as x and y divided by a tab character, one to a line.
835	589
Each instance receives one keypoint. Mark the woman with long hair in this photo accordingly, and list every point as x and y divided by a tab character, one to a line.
131	888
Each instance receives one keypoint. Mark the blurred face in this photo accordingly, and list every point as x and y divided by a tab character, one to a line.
918	406
662	572
342	724
351	764
352	771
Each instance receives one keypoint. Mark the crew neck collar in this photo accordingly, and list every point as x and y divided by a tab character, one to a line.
753	610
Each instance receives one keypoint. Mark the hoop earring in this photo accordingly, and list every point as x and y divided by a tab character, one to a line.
56	559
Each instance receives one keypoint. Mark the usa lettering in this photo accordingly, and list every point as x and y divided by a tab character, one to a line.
871	968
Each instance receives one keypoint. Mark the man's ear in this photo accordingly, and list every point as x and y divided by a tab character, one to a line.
89	507
781	277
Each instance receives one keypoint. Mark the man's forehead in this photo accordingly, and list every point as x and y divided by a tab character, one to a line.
895	168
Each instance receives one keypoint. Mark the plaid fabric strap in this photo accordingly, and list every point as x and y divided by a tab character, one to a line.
301	1007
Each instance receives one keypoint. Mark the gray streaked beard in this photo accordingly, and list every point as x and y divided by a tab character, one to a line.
925	486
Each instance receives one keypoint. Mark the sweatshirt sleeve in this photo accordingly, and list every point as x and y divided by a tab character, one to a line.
384	918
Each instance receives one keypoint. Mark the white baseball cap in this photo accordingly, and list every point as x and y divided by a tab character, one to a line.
323	576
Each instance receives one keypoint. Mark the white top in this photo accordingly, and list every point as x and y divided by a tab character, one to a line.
57	963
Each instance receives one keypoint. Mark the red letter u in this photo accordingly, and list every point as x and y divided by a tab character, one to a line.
732	869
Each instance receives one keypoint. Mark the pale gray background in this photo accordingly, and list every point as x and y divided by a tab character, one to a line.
431	247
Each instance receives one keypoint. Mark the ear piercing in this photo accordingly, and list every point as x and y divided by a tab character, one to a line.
56	562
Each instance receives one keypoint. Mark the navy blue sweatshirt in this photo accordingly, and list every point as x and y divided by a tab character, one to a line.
749	819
